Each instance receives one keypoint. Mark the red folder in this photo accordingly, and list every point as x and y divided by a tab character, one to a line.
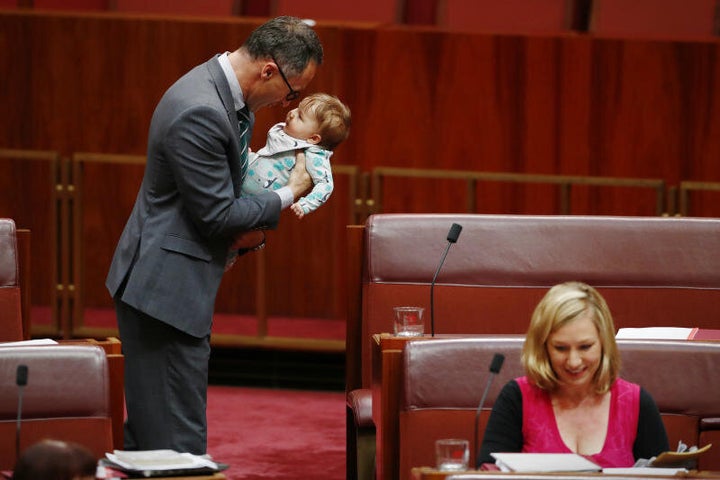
704	334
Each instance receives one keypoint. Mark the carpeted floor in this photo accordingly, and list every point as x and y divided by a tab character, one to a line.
284	434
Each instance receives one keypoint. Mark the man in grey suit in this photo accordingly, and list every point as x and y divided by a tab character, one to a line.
189	218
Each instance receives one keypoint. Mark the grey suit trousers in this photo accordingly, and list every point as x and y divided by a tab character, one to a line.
161	352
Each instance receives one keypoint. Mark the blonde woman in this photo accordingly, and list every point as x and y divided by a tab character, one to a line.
571	398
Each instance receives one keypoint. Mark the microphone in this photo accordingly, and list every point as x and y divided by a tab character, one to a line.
21	379
452	237
495	367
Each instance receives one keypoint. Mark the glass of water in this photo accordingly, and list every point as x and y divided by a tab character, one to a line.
409	321
452	454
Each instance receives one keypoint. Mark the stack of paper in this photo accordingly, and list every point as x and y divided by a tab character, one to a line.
155	463
668	333
544	462
656	333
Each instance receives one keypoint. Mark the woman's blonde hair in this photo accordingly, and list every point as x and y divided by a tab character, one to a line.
562	304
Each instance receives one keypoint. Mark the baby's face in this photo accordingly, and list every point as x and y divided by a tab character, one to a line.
302	124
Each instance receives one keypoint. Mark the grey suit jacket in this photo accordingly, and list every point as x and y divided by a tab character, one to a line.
172	251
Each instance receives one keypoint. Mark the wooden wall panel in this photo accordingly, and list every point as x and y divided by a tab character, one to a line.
108	195
466	102
69	5
378	11
508	16
699	79
651	102
200	8
26	188
688	19
420	97
573	128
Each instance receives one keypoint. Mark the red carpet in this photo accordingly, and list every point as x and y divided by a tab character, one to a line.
277	434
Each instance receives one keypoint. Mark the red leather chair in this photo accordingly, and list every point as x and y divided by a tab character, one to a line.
444	379
67	397
14	289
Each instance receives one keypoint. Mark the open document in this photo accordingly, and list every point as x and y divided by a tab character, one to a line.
160	463
668	333
544	462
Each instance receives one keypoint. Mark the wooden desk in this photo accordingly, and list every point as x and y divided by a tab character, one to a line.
386	356
426	473
216	476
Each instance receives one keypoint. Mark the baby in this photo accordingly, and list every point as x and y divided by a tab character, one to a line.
318	125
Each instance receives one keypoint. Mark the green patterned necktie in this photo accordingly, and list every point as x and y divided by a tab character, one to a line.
244	123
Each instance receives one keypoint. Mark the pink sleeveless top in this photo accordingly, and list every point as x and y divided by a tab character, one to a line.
541	435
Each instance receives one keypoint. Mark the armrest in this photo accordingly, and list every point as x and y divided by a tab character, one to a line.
710	423
360	403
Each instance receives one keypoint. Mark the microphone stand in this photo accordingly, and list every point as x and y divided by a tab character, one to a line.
21	379
495	367
452	237
432	288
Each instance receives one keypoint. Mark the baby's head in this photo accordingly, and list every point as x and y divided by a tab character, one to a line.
320	119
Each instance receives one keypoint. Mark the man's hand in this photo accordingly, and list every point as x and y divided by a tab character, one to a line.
299	181
242	243
248	240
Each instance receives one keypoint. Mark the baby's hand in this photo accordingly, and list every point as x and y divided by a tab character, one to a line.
297	210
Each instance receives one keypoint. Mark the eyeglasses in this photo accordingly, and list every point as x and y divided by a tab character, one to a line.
293	93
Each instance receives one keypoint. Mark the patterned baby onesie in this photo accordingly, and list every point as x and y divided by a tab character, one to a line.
270	167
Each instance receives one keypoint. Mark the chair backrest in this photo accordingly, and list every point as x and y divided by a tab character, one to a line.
11	320
444	379
67	397
666	19
506	17
653	271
